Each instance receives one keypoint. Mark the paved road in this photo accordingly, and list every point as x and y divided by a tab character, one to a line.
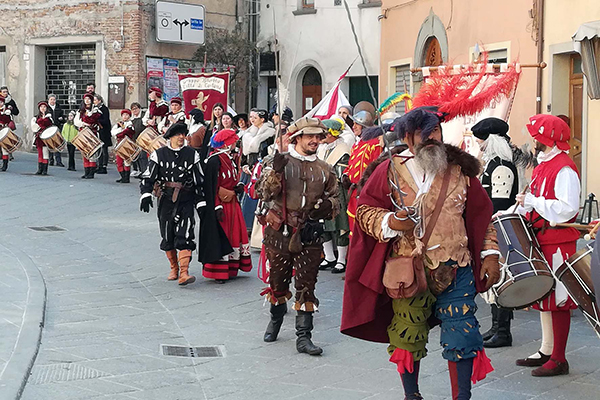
109	308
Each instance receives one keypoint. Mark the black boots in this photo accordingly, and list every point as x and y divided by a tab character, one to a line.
488	335
45	169
304	326
101	170
40	168
124	177
501	337
89	173
277	313
4	164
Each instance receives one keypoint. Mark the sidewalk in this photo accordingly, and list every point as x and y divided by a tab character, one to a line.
110	307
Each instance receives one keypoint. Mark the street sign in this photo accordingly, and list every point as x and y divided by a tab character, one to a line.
179	23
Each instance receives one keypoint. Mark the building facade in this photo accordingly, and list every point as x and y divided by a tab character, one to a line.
316	46
565	89
51	46
434	32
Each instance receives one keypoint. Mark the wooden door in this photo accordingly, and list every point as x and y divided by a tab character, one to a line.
311	96
433	53
576	97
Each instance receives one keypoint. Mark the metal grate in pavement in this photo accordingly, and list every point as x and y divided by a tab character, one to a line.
61	373
51	228
195	352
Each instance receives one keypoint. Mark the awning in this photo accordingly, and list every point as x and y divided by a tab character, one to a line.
588	35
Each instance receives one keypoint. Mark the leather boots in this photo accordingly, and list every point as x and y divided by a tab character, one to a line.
304	327
277	313
172	256
184	264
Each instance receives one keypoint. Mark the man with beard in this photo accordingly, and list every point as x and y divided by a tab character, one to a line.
501	182
452	236
300	191
554	197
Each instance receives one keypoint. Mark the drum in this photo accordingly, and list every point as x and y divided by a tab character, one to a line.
128	150
525	275
88	144
150	140
8	140
576	275
53	139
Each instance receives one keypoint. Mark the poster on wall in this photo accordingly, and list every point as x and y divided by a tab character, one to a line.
203	90
170	79
154	72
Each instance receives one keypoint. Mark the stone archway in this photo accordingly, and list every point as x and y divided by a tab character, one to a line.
312	89
432	42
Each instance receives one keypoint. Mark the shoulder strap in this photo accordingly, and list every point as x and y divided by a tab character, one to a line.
438	206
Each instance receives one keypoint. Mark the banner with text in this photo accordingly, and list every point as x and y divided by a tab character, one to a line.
203	90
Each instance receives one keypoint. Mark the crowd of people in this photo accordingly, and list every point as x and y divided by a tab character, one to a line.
405	216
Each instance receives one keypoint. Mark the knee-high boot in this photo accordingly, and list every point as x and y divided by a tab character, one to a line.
172	256
488	335
460	378
277	313
184	264
304	327
410	382
502	337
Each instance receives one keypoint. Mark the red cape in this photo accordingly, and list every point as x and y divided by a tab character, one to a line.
367	309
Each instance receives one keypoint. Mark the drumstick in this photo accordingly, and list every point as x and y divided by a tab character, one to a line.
517	205
592	234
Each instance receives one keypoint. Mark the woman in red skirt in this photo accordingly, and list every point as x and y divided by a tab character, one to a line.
222	186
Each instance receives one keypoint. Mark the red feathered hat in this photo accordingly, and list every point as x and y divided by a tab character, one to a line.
90	95
225	137
155	89
550	130
176	100
126	111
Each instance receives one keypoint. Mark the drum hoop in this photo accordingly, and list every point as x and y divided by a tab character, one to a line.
578	278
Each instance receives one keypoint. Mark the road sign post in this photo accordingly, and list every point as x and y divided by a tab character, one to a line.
180	23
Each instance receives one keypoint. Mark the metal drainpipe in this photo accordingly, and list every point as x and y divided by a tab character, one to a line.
540	56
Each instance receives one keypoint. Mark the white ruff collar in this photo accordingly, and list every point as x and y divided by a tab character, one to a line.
299	156
543	157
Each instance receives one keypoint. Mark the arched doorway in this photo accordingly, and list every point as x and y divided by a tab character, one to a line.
312	89
433	53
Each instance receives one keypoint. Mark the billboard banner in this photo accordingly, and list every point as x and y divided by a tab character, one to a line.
203	90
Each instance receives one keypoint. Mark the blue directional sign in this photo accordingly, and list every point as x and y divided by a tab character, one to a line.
197	24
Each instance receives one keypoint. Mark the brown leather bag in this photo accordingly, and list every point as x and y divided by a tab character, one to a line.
405	277
225	195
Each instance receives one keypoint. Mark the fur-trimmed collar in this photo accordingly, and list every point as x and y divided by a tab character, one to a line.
469	165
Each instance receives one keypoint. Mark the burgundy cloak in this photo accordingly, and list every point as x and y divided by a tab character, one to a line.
367	309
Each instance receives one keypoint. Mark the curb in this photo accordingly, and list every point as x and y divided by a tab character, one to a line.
18	367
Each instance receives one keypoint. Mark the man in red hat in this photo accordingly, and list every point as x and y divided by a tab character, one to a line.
175	115
120	130
224	245
157	109
554	197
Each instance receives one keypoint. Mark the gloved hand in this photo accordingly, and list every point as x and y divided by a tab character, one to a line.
311	231
220	214
323	212
239	188
400	221
146	204
279	162
346	182
490	268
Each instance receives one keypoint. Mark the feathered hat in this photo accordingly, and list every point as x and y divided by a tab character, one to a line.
224	138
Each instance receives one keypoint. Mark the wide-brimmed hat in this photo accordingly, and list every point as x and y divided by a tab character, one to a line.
306	126
178	128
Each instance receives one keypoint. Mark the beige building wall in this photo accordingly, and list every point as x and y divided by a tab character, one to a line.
562	19
493	24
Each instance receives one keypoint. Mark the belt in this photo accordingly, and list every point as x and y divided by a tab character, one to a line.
177	187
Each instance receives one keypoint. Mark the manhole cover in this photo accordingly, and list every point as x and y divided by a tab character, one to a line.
62	373
52	228
196	352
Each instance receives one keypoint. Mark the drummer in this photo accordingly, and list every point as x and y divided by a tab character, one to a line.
175	115
157	110
38	123
6	120
554	197
120	130
88	116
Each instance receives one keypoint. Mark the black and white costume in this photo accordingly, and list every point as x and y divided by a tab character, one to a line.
501	182
178	172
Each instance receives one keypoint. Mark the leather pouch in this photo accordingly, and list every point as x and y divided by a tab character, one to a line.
404	277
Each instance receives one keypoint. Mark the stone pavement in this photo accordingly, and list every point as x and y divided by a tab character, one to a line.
109	308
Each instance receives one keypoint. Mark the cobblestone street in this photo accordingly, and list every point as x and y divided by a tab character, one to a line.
109	308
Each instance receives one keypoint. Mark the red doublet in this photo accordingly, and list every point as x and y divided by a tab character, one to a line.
543	181
363	154
158	111
233	225
6	120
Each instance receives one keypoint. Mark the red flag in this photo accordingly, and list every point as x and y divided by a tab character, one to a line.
203	90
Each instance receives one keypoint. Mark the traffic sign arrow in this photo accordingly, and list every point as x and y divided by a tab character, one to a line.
181	25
